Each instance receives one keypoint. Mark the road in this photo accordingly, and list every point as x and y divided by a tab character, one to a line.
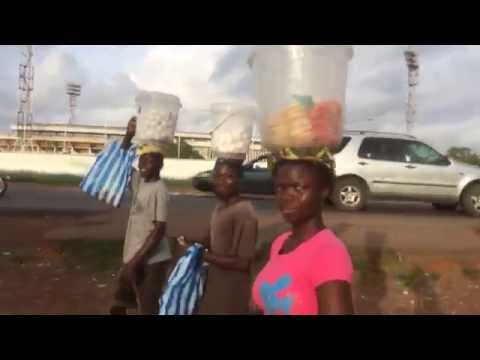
23	197
405	226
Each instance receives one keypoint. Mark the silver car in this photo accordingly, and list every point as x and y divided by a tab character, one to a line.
374	165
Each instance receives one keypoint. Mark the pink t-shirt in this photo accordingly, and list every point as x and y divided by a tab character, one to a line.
287	284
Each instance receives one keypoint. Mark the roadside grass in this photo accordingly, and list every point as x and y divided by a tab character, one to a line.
471	273
92	255
416	278
42	178
74	180
19	256
391	264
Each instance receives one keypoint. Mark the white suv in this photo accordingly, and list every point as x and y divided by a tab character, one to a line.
374	165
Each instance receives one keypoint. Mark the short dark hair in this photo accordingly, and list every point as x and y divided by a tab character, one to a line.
156	156
234	164
324	174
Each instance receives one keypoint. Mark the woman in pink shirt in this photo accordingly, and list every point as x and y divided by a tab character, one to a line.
309	271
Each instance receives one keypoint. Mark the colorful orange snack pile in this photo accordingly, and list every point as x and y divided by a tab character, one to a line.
326	120
290	126
304	124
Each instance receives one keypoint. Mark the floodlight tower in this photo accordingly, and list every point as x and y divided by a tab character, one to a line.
25	87
73	92
413	75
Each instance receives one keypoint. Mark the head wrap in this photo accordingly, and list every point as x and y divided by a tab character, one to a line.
321	155
149	149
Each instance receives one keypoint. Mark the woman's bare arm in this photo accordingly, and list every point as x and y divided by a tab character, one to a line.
335	298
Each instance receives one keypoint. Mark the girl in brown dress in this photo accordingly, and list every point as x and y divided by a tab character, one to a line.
230	246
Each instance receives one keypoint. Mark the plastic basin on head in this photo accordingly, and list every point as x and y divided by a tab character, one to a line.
301	87
157	118
233	128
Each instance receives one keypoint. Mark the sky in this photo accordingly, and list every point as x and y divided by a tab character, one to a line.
448	112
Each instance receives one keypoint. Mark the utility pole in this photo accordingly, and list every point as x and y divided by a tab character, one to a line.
413	75
73	92
25	87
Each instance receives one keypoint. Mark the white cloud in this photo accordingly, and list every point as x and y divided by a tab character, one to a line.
448	109
52	74
102	101
189	72
183	71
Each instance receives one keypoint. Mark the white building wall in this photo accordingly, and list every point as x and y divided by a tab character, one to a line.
178	169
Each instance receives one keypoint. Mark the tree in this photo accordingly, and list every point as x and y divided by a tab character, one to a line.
186	151
465	155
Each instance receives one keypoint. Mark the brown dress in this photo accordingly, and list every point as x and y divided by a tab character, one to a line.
233	232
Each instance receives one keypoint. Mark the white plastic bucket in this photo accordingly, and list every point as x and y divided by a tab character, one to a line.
300	91
232	132
157	117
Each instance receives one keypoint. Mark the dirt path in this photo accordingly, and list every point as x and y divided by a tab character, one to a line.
407	261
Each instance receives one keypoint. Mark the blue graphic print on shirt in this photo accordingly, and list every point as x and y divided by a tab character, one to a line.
272	302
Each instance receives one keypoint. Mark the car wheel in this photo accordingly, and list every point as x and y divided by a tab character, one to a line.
350	194
471	200
445	207
3	187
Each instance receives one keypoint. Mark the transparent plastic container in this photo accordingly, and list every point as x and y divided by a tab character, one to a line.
300	91
157	118
232	134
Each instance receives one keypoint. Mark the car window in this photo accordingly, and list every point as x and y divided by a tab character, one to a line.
419	153
256	162
256	168
261	165
382	149
342	145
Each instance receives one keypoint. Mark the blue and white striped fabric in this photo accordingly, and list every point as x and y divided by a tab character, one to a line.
108	178
185	285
